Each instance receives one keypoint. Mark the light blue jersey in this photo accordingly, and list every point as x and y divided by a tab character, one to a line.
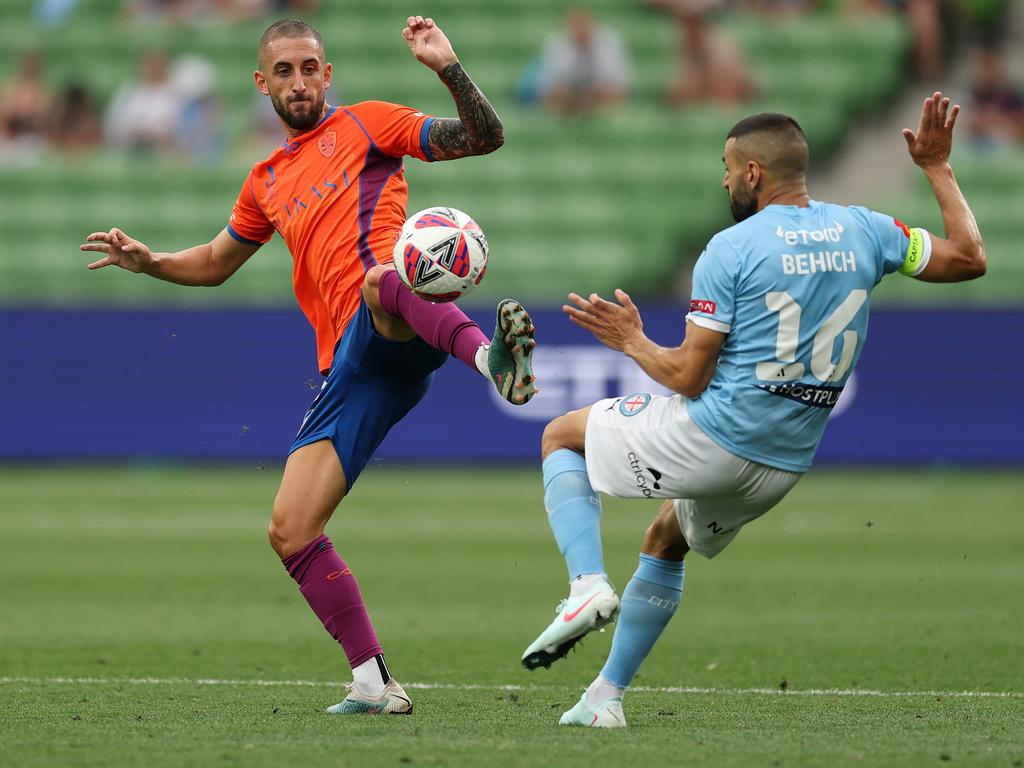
791	287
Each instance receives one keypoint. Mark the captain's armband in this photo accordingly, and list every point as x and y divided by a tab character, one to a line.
918	253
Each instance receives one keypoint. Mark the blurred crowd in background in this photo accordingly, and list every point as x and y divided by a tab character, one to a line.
172	107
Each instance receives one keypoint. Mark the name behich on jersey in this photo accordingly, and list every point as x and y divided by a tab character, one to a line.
813	261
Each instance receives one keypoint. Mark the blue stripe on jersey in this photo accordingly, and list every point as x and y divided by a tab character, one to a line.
239	238
423	139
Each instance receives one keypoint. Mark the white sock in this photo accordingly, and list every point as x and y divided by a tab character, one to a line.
481	360
584	583
372	675
601	690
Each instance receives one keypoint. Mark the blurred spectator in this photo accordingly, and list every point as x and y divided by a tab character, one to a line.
924	17
781	7
198	133
51	13
75	125
240	10
997	106
581	69
143	114
170	11
709	66
199	11
25	102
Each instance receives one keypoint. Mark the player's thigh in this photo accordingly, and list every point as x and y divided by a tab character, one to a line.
567	431
312	487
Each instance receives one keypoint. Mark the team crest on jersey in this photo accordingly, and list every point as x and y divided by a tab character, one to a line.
631	405
327	143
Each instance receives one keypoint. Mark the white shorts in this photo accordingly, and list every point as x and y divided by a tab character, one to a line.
644	446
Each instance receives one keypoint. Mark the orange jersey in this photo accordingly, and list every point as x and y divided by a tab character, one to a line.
337	195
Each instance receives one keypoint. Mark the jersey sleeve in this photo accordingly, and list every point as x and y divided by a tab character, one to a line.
396	130
902	249
713	298
248	224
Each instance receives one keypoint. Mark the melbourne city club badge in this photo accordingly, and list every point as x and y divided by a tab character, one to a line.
633	404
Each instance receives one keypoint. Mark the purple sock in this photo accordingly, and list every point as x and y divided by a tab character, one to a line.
332	592
443	326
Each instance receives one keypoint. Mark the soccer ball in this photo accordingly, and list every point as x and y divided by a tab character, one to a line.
441	254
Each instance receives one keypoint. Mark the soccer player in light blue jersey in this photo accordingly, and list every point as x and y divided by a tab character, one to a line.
777	320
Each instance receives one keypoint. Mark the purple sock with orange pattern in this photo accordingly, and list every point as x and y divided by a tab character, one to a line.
333	593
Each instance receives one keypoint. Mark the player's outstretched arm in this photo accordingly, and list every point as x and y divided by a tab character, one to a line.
686	369
208	264
478	129
961	256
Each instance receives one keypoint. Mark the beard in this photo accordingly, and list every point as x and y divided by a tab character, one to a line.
742	204
299	121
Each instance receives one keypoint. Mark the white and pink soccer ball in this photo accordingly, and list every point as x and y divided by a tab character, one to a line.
441	254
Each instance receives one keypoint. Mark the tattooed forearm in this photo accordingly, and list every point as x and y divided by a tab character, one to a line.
478	129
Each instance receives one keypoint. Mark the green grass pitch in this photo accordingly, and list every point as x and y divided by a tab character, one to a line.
122	589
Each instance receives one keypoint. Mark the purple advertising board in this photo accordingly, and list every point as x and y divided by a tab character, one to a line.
931	387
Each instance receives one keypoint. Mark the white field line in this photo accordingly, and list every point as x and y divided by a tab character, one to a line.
849	692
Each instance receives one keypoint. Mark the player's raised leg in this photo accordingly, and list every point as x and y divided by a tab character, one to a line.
648	603
506	360
574	513
312	487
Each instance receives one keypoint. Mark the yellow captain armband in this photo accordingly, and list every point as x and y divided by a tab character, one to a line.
918	253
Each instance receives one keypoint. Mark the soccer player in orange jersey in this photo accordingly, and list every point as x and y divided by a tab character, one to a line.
335	191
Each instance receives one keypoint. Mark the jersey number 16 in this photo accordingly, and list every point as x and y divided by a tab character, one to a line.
786	366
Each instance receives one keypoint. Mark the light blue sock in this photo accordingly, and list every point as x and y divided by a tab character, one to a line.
574	512
648	603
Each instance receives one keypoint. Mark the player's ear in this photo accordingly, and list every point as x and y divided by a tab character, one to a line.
328	71
261	83
754	173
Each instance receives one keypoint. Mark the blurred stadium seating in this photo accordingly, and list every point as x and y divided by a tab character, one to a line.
567	204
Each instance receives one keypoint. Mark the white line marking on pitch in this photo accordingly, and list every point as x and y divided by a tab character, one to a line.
460	687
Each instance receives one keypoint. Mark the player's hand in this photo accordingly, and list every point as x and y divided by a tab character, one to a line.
614	325
933	141
119	250
428	43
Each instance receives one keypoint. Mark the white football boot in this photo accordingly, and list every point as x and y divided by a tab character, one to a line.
391	701
575	617
607	714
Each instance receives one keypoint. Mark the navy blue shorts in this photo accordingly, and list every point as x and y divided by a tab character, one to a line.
372	384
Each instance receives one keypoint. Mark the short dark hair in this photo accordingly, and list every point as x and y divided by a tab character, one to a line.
766	122
289	28
775	140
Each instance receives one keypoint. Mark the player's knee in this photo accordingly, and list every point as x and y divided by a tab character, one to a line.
371	284
566	431
663	539
553	437
278	536
286	537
